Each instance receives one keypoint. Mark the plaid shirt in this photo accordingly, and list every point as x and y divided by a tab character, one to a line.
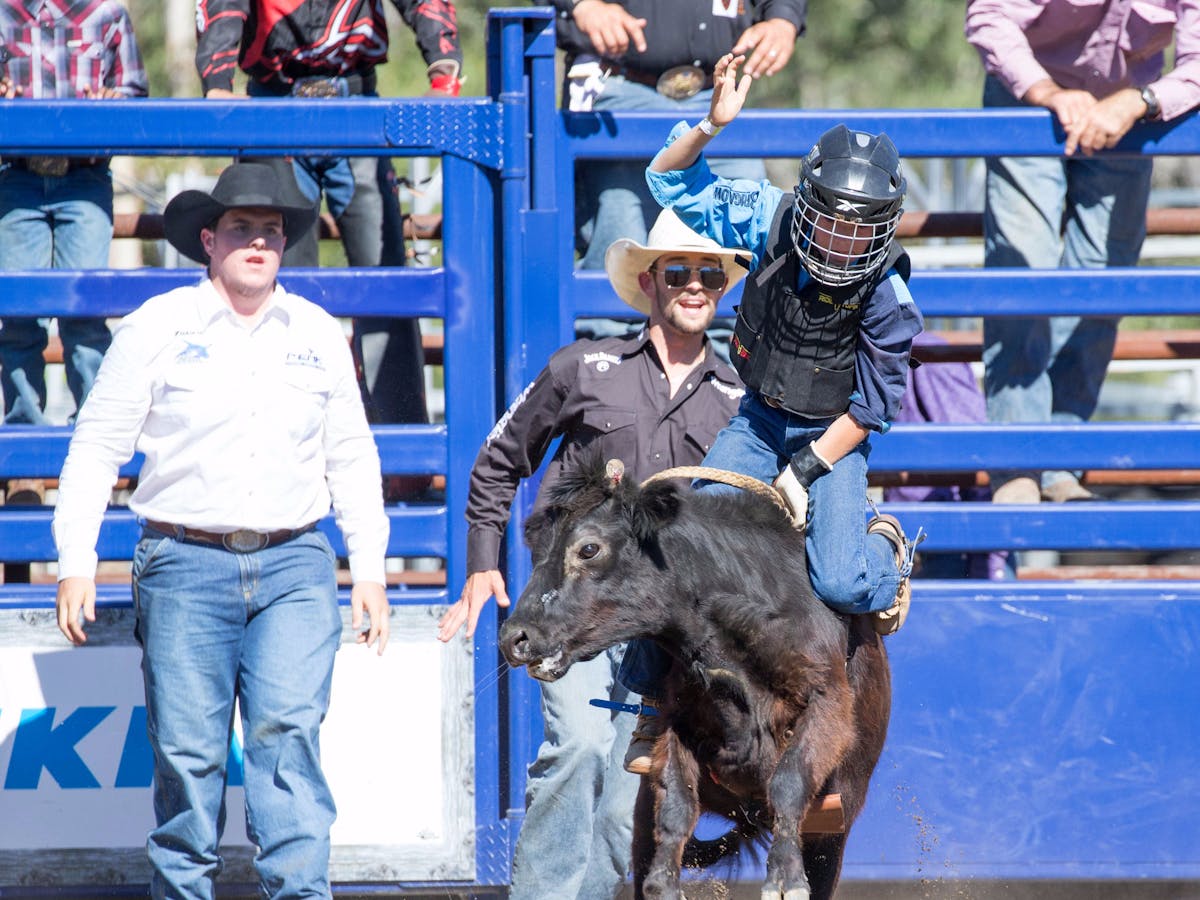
64	48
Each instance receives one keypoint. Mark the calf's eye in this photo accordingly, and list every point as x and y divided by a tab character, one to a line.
587	551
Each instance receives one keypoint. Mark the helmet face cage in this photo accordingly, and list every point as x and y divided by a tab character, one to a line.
847	206
838	250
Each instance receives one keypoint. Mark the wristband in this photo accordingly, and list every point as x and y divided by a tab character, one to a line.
706	125
443	76
448	84
808	466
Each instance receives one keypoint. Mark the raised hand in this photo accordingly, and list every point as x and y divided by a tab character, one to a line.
729	96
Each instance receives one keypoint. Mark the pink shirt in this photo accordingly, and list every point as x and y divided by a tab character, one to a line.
1099	46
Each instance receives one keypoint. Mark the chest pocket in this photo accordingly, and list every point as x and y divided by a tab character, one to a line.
306	391
612	430
191	394
1148	30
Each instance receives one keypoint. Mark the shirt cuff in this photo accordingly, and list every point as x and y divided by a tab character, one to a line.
77	564
367	567
483	550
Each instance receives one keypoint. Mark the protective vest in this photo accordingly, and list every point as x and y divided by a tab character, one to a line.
797	348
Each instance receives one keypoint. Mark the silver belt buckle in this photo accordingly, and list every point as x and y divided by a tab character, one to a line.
316	87
244	541
680	82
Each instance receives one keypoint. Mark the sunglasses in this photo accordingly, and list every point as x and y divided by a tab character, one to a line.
712	278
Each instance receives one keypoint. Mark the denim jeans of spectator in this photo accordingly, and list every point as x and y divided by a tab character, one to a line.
1045	213
263	628
850	570
575	840
59	223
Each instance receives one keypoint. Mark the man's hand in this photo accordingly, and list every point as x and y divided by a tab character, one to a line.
223	94
372	597
8	90
75	594
102	93
475	593
769	43
1105	122
609	27
728	96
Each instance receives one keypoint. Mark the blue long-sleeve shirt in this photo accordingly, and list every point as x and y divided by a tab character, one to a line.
738	213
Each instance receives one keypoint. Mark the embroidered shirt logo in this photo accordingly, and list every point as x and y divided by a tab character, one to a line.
733	393
601	360
191	353
307	357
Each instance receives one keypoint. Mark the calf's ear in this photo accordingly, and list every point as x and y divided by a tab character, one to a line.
654	507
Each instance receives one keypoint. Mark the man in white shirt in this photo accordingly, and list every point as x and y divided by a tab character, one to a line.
243	399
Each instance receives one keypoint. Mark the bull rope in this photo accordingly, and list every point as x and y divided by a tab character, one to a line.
735	479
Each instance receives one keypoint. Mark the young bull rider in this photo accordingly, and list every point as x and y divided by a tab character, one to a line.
822	342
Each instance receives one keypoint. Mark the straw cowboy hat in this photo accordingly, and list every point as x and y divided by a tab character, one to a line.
626	258
241	185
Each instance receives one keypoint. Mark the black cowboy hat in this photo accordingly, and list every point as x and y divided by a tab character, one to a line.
243	184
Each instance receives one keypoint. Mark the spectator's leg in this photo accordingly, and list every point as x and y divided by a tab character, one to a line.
389	353
1105	226
360	216
1022	224
26	242
566	786
305	250
82	237
1022	218
394	251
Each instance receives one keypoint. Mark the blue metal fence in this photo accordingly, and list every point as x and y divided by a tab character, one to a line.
1040	730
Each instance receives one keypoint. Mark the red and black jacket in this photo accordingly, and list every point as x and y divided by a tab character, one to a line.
278	41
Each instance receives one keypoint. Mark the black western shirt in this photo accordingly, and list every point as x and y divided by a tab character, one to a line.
612	395
682	32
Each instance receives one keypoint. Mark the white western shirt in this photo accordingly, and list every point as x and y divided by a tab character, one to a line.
241	428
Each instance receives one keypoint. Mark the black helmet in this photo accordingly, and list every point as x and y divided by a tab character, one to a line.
853	178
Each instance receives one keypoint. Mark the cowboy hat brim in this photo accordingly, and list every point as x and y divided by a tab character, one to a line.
626	259
240	186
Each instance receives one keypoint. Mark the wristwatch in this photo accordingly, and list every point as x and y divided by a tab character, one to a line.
1153	109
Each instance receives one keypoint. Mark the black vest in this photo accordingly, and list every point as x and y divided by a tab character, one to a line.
796	348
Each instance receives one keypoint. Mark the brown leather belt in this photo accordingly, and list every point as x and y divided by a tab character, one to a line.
244	540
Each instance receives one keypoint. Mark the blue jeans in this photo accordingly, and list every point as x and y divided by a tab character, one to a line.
851	571
576	838
1044	213
59	223
261	628
612	200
